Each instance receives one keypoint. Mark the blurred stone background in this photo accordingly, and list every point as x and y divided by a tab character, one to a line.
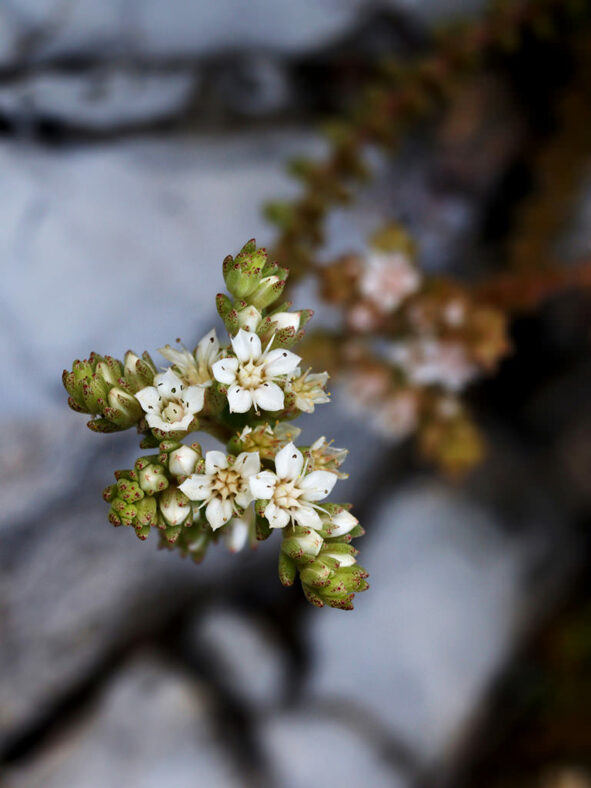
138	143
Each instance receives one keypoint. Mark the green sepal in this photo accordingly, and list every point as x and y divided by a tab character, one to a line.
287	570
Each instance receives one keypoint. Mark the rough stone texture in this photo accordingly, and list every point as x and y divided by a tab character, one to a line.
190	29
246	655
304	749
151	728
423	643
74	589
97	101
87	217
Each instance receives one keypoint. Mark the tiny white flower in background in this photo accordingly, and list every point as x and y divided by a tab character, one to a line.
195	368
388	278
454	313
169	404
398	415
182	461
308	389
223	487
432	361
361	317
292	494
239	530
251	374
285	320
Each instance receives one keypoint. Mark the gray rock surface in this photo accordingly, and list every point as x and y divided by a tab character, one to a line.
83	264
43	29
74	590
246	655
423	643
101	100
304	749
151	728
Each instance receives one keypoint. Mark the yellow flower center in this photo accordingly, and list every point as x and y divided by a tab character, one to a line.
251	375
227	483
286	494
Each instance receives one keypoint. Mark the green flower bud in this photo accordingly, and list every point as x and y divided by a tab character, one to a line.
91	384
151	475
301	543
94	393
243	273
269	290
249	318
127	406
146	511
174	506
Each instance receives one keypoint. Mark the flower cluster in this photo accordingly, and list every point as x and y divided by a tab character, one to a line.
410	347
243	393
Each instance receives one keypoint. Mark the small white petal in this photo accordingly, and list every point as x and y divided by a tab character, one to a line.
149	399
182	424
208	348
344	559
342	523
285	320
317	485
182	461
218	512
246	346
156	423
224	370
243	498
239	399
192	398
277	518
248	463
289	462
169	385
214	461
249	318
268	396
281	362
197	487
183	359
307	517
263	484
235	534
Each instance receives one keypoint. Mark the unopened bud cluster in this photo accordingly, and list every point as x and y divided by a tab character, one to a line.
244	393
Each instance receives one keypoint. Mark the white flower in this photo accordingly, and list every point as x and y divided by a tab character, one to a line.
239	531
292	494
252	373
195	368
223	487
388	278
398	415
170	404
182	461
431	361
308	389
